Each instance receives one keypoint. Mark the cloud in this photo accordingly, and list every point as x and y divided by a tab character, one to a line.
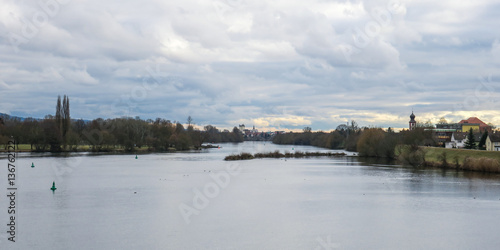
279	64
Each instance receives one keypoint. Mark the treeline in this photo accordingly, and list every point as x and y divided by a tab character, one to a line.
111	134
373	142
415	147
405	145
61	133
213	135
344	137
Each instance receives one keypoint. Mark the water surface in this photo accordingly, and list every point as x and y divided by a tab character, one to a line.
119	202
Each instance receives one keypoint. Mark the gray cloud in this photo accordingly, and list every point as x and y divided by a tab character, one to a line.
274	64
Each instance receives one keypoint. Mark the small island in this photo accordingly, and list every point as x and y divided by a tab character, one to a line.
277	154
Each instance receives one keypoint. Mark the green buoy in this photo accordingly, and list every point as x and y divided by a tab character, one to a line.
135	156
53	188
32	165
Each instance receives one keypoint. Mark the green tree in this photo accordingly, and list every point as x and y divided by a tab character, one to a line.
471	141
482	142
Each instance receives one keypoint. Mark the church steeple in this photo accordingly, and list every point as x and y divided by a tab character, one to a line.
413	123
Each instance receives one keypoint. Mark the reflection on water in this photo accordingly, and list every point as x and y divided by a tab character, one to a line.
119	202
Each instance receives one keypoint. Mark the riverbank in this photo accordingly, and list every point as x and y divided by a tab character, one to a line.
463	159
26	148
433	157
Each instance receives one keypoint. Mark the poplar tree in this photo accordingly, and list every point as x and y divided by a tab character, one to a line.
59	113
66	120
63	119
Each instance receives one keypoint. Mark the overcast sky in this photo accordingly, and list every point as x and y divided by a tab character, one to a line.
273	64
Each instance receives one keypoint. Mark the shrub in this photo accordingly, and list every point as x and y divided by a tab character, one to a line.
482	164
412	155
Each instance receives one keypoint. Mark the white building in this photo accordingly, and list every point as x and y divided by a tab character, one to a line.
493	142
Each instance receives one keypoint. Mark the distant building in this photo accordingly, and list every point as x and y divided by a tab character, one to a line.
452	134
465	125
468	126
443	136
413	123
458	139
254	131
476	124
493	142
459	127
453	126
247	132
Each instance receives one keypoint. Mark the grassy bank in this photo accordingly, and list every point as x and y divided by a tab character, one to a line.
464	159
19	148
453	155
277	154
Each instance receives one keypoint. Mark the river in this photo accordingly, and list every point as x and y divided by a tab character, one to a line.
195	200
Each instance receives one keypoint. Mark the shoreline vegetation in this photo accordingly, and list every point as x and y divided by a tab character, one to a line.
60	133
416	148
462	159
278	155
448	158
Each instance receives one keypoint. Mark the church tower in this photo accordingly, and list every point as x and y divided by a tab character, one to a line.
413	123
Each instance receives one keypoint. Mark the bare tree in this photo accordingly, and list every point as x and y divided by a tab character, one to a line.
66	119
59	113
442	120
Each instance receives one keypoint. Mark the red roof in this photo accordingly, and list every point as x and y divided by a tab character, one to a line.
482	126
